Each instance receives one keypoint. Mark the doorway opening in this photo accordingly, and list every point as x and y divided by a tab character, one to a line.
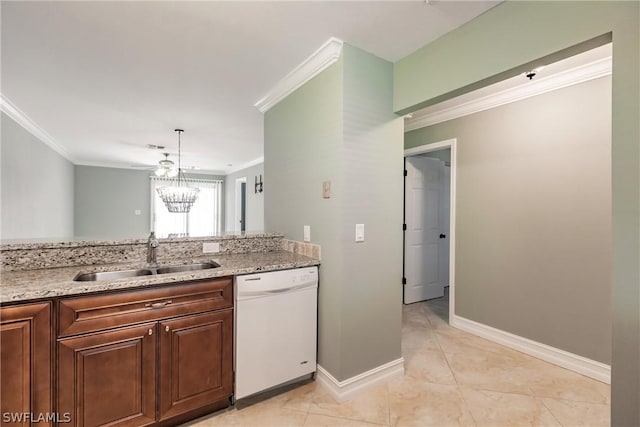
241	205
429	218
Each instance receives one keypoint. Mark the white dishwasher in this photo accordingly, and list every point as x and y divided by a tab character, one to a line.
275	328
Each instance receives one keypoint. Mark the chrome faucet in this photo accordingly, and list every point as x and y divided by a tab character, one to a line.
152	245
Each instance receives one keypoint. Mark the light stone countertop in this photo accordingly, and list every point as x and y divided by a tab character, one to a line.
18	286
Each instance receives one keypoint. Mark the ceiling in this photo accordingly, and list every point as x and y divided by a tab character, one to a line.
104	79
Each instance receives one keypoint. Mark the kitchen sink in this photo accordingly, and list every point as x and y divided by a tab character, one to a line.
187	267
123	274
111	275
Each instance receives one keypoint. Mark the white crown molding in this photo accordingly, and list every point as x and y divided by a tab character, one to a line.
591	368
321	59
19	116
246	165
535	87
349	388
149	169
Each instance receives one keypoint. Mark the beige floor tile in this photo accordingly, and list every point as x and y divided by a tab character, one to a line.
429	366
298	399
414	403
315	420
489	371
456	341
262	414
579	414
547	380
418	337
495	409
371	406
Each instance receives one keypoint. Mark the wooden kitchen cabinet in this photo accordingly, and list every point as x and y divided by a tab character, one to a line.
159	355
196	362
25	364
109	377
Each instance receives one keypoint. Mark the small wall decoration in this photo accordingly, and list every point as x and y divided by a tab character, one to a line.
258	184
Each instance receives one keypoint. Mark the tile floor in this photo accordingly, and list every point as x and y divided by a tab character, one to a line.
451	378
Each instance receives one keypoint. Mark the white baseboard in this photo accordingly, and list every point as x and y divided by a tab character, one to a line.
349	388
590	368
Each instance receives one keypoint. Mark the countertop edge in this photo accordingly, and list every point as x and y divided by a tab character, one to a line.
69	288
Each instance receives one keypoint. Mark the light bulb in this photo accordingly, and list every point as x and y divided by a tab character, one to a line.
173	172
160	172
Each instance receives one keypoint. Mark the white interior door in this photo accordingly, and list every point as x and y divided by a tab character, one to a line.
422	237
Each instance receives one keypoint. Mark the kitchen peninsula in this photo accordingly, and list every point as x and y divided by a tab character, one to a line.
155	348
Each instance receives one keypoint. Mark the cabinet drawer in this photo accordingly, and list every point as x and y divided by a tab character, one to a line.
98	312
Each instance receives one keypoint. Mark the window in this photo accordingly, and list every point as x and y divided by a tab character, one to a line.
204	219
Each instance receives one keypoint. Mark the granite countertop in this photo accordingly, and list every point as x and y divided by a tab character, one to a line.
16	286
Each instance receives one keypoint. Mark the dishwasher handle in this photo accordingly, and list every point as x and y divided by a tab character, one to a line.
267	292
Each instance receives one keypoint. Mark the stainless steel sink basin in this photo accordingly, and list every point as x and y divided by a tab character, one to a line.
187	267
111	275
123	274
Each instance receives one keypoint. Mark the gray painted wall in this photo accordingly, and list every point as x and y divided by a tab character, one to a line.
106	199
533	233
37	187
497	44
340	127
255	202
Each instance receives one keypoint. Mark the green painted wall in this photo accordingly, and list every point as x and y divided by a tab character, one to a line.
303	148
533	234
340	127
505	41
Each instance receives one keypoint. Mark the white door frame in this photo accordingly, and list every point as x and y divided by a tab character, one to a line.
449	143
238	204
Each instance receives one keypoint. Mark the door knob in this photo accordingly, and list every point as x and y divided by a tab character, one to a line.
443	236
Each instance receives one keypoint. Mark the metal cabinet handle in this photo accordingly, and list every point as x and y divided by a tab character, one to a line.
150	331
158	304
166	328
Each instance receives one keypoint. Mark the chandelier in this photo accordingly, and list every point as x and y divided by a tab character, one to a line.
178	197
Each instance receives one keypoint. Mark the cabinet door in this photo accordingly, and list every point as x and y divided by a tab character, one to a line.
25	364
109	377
196	362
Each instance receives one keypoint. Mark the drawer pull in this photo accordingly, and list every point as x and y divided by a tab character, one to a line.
158	304
150	331
166	328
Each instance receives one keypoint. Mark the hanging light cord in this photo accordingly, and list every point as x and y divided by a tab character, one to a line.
180	157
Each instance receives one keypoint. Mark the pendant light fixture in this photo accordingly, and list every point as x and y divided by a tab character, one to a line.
178	197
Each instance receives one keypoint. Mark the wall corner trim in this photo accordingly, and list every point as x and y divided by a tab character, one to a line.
580	74
590	368
320	60
20	117
349	388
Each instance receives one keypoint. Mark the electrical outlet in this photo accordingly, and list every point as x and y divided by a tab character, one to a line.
307	233
210	247
137	212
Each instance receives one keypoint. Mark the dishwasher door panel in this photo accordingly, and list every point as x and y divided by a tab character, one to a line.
275	340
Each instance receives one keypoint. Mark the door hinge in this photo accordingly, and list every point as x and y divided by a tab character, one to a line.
404	227
405	172
404	280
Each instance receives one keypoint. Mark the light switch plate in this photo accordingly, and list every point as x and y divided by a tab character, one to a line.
307	233
137	212
210	247
326	189
359	232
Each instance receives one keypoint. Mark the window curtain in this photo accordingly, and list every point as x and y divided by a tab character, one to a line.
204	219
